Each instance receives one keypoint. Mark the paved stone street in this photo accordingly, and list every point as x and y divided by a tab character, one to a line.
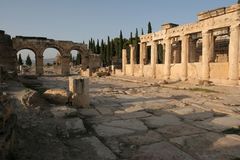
135	119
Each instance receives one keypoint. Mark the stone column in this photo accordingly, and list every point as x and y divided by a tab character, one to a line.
142	53
184	57
206	52
192	51
132	58
39	65
212	55
167	59
234	50
79	88
153	58
65	60
124	61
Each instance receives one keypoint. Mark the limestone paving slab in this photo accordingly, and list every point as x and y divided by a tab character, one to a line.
88	112
179	130
89	148
75	125
219	123
109	131
210	146
132	115
119	127
163	120
132	124
198	116
142	139
161	151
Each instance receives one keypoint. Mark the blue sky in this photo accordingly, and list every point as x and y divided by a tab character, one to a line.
79	20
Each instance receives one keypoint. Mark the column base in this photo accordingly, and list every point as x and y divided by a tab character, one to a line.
233	82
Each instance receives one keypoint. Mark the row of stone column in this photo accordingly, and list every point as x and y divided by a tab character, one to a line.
186	48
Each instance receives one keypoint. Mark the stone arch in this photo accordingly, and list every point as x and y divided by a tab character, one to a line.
33	51
50	55
84	52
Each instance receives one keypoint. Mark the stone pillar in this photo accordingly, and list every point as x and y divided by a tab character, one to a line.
192	51
79	88
212	56
206	52
234	50
39	65
184	57
167	59
132	58
65	65
124	61
153	58
142	52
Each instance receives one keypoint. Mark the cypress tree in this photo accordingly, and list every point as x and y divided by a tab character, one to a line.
28	61
238	2
120	45
78	59
149	27
108	51
142	32
136	37
20	61
102	53
98	47
131	38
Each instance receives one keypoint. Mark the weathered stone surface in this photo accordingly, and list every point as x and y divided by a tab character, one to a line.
210	146
199	116
105	110
119	127
139	114
32	99
89	148
186	110
63	111
75	126
179	130
142	139
89	112
161	151
219	123
109	131
166	119
58	96
132	124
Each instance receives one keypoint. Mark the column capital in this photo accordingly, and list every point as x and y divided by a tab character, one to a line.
234	27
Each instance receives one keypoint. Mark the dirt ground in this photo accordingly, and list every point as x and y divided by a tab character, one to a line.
130	119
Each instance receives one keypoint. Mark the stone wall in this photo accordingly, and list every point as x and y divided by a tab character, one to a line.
8	57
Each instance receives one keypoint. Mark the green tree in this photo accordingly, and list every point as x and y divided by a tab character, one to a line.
108	51
78	59
120	45
20	61
103	53
28	61
149	27
131	38
238	1
97	47
136	37
142	32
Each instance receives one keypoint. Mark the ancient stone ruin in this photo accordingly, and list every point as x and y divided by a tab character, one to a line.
207	50
150	109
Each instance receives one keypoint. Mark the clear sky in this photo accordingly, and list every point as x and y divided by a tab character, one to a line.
79	20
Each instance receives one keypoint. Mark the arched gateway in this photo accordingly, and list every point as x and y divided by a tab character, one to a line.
39	44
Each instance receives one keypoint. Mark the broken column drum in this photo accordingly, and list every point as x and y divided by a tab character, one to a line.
79	87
